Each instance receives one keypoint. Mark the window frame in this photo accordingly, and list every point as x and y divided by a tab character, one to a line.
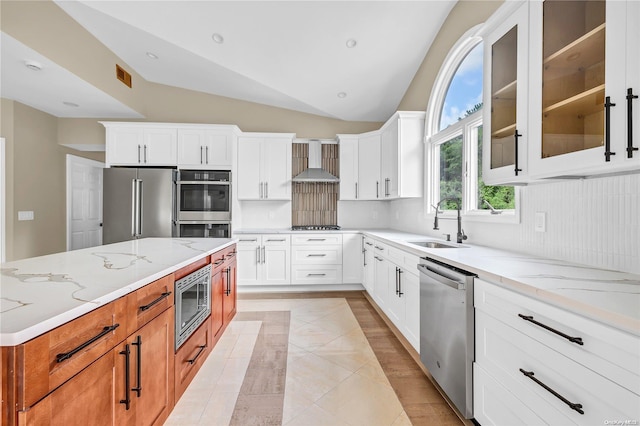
434	137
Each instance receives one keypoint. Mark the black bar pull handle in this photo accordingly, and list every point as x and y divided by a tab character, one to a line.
106	330
576	340
158	300
607	128
516	135
572	405
193	360
400	293
219	261
127	379
630	147
228	289
138	343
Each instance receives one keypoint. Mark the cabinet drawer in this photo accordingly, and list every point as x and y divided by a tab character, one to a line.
406	261
494	405
221	257
316	274
276	240
316	239
190	357
380	249
149	301
46	362
246	240
509	356
317	255
606	350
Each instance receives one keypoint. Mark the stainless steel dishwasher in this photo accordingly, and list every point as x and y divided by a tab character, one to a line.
447	329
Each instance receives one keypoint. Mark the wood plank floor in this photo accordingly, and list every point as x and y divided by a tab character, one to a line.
310	359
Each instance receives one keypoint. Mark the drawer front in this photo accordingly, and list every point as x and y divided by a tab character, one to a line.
190	357
406	261
368	243
150	301
220	258
316	274
49	360
247	240
515	360
316	239
494	405
317	255
380	249
276	240
606	350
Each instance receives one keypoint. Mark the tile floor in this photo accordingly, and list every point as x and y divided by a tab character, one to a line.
310	361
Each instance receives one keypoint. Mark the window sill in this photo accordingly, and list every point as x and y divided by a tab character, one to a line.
504	217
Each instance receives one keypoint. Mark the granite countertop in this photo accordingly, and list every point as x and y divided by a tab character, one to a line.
606	296
41	293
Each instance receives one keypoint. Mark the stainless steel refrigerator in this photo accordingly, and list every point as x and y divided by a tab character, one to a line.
138	203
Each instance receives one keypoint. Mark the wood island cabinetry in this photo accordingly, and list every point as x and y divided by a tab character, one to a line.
116	365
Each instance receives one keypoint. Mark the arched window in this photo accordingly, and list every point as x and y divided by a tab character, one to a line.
454	137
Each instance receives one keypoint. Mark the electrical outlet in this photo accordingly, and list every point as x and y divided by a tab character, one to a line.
541	222
25	215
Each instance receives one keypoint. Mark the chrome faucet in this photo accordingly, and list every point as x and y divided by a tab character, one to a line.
460	236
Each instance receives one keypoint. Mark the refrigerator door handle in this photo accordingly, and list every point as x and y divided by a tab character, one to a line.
134	206
139	230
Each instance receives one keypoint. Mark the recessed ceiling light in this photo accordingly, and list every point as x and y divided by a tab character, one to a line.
351	43
152	55
217	38
342	95
33	65
71	104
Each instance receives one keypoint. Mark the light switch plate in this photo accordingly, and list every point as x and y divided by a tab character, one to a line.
25	215
541	222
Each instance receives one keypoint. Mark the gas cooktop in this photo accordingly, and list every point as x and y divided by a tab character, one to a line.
315	228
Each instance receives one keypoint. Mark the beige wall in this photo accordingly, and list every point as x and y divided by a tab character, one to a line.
6	131
465	15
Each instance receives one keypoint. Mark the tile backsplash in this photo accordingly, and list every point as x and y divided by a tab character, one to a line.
314	203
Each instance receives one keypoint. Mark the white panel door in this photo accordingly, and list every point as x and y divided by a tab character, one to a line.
124	145
84	203
248	269
248	176
276	265
218	150
352	258
160	147
276	168
191	145
381	267
349	168
410	286
369	167
395	301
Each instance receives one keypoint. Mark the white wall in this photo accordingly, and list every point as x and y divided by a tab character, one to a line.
263	214
593	222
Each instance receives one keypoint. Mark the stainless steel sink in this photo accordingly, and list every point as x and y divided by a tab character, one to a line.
434	244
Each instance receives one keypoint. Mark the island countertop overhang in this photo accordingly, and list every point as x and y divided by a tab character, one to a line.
42	293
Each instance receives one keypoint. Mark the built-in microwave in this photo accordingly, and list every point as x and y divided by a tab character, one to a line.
193	302
203	195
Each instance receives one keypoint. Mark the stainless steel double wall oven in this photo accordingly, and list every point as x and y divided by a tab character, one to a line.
203	200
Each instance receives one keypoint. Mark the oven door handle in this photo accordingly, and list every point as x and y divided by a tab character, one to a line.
440	279
205	182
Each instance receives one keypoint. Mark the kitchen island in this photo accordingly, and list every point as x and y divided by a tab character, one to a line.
83	332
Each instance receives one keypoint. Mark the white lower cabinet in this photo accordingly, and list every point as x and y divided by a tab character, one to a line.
352	258
563	367
394	284
264	259
316	259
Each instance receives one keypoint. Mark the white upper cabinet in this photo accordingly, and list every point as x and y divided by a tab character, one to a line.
580	54
401	167
505	98
369	166
205	148
145	145
264	166
348	145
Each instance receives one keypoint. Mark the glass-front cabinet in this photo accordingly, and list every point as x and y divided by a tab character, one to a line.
578	107
505	114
